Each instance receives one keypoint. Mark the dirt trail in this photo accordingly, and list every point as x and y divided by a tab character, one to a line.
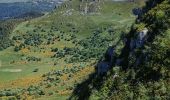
11	70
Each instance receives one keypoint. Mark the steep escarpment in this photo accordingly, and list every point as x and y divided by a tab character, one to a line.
150	33
141	70
145	55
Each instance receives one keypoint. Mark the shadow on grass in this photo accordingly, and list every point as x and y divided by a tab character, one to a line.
95	80
84	89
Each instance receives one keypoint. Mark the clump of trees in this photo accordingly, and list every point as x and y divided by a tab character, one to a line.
92	47
33	59
5	29
35	90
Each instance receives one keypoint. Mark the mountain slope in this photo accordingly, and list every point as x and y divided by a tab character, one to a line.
141	70
51	54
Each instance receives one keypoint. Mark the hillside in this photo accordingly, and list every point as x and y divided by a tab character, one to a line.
88	49
141	71
49	55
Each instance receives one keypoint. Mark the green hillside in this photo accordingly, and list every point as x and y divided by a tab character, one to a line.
141	71
49	55
56	56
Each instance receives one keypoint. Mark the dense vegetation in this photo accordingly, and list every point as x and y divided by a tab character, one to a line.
5	29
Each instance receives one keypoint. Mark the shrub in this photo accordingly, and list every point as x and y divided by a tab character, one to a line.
36	70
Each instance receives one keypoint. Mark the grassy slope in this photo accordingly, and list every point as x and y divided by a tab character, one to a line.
82	21
112	15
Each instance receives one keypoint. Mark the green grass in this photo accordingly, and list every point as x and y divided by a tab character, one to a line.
8	56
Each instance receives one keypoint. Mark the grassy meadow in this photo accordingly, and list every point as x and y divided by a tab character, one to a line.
58	50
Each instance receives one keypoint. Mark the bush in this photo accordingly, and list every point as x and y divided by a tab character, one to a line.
36	70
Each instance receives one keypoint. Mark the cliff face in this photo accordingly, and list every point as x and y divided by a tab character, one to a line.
145	57
83	6
89	7
153	24
146	45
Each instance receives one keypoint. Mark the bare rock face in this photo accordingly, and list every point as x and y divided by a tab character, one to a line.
89	6
142	34
140	39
